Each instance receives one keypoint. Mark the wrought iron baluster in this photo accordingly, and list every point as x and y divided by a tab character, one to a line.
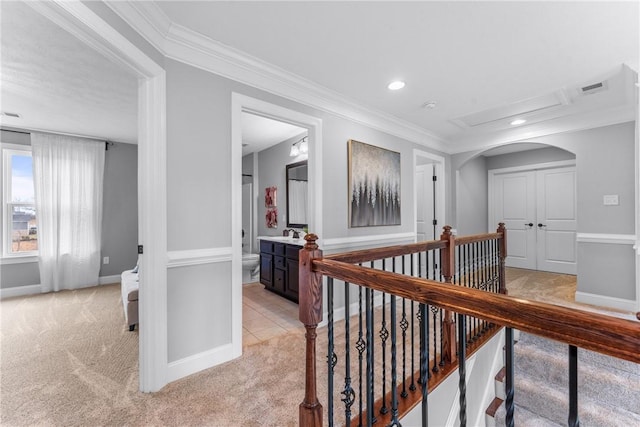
424	362
441	340
368	295
384	334
331	355
394	365
471	321
420	315
574	421
462	370
434	311
404	325
348	393
412	386
360	346
508	382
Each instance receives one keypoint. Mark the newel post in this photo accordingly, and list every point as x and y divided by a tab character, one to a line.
310	314
503	256
447	259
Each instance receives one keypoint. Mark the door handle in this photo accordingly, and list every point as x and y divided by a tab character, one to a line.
540	225
529	224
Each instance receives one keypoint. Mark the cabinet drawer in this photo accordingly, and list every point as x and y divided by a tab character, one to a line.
292	251
279	248
278	262
266	246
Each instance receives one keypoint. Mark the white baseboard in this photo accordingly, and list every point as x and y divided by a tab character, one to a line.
605	301
20	291
199	362
108	280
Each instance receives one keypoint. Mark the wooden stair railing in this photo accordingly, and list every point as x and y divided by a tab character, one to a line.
615	337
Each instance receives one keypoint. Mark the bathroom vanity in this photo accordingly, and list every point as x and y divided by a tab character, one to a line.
279	265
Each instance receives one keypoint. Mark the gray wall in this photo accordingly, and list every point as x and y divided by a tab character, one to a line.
199	194
272	164
529	157
604	165
472	197
120	215
120	209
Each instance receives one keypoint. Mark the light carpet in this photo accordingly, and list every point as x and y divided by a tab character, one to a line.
68	359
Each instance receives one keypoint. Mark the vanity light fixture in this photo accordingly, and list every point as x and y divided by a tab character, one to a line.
299	147
395	85
517	122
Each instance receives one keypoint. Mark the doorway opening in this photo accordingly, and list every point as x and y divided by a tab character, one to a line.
243	107
429	195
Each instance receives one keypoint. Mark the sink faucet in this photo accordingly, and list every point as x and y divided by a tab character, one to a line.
290	232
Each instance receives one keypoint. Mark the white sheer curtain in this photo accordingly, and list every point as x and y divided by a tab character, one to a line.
68	174
297	202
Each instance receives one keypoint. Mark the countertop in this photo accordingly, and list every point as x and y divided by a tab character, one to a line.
283	239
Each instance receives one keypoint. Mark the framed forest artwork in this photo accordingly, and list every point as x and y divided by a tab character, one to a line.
374	185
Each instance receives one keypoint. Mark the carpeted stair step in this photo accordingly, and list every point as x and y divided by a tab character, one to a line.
522	417
585	356
551	403
601	378
608	388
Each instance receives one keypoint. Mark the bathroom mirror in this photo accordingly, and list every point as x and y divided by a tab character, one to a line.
297	194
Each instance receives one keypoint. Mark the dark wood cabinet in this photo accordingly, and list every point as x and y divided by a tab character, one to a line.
279	268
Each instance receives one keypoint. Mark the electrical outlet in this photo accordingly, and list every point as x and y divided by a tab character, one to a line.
105	260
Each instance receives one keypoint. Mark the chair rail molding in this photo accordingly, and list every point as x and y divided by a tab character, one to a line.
190	257
612	239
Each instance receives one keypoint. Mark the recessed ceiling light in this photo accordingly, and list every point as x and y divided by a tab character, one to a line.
398	84
517	122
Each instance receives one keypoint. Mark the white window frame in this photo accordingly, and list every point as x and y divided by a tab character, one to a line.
7	257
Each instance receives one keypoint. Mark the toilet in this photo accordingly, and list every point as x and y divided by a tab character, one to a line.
250	267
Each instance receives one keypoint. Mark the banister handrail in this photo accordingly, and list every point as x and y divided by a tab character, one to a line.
367	255
593	331
474	238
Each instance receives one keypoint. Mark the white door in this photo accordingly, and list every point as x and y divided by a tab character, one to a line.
538	208
514	204
425	203
556	220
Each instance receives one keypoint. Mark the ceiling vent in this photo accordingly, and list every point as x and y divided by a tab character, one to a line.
8	114
594	88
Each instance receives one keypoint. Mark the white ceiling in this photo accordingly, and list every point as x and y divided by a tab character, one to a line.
468	57
57	83
260	132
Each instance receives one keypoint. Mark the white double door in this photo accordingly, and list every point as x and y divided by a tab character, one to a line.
538	208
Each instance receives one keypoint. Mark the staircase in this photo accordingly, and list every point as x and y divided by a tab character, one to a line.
608	388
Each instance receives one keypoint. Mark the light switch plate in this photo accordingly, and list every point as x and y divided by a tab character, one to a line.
610	200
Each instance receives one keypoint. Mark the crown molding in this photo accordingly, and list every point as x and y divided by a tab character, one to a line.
187	46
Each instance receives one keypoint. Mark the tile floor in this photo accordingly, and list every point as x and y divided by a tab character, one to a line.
266	315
